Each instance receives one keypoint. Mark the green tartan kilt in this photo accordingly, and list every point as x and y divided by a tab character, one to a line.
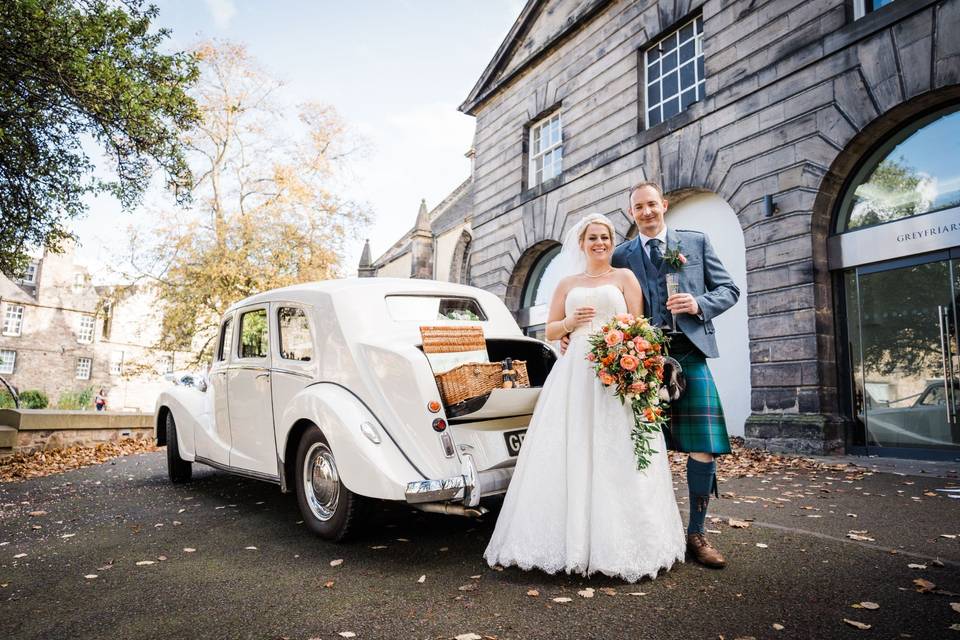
696	419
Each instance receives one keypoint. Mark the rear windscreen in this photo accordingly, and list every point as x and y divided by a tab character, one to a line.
406	308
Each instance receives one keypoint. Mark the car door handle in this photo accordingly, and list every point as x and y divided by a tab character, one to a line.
263	375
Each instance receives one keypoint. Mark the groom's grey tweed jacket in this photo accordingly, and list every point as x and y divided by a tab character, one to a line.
703	276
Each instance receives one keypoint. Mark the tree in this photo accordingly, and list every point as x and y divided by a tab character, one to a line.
74	72
265	213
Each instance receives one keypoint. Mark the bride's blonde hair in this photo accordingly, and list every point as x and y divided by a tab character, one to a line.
598	219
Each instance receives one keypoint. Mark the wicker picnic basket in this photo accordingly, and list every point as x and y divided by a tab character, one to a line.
472	379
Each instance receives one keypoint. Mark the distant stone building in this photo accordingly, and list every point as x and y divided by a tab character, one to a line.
61	334
815	142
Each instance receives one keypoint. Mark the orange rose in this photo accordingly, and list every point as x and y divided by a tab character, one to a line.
638	387
642	344
591	357
613	338
606	378
629	362
650	414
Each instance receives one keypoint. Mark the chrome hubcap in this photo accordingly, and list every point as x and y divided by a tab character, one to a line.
321	482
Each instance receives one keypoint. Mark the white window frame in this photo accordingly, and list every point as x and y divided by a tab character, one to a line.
116	363
7	365
84	368
13	320
86	328
550	156
699	79
860	8
30	276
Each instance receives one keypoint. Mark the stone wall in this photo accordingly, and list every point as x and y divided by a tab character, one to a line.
30	430
792	88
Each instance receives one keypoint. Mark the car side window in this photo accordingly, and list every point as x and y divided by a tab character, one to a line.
934	397
253	334
294	332
226	340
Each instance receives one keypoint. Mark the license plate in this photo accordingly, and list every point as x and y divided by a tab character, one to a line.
514	439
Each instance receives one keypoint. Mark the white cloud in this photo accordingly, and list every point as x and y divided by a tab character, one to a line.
222	12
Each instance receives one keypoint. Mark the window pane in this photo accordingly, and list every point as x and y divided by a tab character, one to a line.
671	108
226	339
253	334
700	75
429	308
687	77
535	146
653	71
295	340
687	32
669	61
699	22
653	54
688	51
916	172
670	85
687	98
8	358
653	116
653	93
669	43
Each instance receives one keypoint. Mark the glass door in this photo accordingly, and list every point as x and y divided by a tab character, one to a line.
902	329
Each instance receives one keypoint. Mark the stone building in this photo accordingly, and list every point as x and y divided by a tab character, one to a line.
60	334
816	143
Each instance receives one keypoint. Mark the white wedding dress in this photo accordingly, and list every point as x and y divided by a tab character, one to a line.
576	501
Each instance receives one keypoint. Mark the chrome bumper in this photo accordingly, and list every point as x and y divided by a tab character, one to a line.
468	487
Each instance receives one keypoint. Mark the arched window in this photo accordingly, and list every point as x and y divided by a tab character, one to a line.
532	314
915	172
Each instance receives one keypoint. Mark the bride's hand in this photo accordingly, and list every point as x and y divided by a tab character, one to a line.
580	317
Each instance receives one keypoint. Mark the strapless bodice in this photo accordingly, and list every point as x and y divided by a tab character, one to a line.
607	299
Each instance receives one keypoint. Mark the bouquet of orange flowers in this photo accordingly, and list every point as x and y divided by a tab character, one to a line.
627	354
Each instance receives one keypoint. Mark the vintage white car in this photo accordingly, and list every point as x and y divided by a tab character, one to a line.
324	389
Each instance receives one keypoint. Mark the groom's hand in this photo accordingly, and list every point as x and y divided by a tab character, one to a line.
683	303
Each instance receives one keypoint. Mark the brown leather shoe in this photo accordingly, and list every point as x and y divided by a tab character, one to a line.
703	552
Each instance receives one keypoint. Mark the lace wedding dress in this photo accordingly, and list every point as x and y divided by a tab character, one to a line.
576	501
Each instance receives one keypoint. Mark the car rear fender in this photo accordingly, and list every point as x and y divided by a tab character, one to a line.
190	412
378	470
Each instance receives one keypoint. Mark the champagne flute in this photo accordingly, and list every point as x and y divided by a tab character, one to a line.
673	288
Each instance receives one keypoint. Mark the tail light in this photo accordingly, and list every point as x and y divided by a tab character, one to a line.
439	425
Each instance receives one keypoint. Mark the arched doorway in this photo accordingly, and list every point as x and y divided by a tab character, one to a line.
533	308
709	213
895	252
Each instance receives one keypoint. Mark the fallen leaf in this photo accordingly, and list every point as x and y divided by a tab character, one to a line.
738	524
91	576
955	627
916	566
869	605
637	593
336	563
533	593
562	600
861	538
144	563
955	606
346	634
68	535
468	636
924	586
37	514
402	540
328	584
777	626
161	558
250	548
379	546
467	587
948	536
188	549
475	577
20	555
858	625
761	545
608	591
422	579
586	593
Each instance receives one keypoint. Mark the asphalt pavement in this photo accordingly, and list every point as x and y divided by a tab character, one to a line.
115	551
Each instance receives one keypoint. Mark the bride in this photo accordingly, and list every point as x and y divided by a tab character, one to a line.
576	501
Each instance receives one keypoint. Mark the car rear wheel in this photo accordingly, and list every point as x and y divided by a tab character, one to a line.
329	509
178	469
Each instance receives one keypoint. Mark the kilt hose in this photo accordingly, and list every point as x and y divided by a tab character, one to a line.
696	423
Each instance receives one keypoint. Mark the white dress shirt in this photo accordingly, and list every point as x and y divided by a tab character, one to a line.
662	237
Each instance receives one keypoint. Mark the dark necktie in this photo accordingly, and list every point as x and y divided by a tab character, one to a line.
656	257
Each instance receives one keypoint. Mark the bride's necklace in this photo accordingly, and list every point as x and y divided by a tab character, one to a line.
599	275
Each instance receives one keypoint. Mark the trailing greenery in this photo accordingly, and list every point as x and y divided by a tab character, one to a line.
82	399
71	72
33	399
6	400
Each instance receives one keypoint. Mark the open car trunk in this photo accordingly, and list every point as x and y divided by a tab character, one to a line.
502	403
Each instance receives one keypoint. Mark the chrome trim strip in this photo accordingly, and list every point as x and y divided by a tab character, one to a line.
299	374
254	475
379	421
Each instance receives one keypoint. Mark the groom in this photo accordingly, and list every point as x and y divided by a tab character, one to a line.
697	426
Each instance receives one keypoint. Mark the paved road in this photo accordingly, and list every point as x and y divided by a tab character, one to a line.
103	520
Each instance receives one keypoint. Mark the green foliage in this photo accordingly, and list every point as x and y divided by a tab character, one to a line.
6	400
33	399
74	71
82	399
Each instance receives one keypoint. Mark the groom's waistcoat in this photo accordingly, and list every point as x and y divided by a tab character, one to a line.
703	276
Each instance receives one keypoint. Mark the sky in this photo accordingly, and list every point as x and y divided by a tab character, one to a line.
396	70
